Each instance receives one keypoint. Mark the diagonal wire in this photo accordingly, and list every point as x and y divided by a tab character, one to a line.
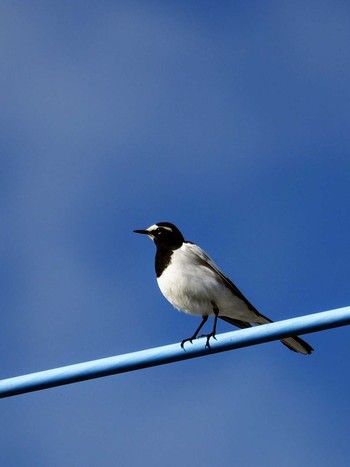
173	353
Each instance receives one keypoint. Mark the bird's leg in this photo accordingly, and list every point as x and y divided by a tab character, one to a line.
212	334
190	339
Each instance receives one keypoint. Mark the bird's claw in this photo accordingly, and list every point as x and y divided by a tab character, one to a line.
208	336
189	339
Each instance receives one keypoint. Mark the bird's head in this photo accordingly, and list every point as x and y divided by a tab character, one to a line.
164	234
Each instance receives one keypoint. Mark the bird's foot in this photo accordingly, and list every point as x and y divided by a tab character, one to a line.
189	339
208	336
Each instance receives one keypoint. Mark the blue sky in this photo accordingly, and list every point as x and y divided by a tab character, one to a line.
230	120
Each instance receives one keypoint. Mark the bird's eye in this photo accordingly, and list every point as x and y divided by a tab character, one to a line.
159	231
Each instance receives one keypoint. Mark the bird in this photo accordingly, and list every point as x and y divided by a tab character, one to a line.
191	281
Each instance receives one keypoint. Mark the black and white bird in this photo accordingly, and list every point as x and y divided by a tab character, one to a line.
190	280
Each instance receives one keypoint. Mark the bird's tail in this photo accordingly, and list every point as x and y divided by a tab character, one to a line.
293	343
297	345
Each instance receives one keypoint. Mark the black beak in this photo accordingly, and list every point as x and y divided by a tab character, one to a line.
141	232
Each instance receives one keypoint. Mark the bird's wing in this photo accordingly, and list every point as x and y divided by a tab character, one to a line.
236	322
293	343
205	260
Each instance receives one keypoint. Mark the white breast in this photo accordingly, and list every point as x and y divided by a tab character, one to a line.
193	287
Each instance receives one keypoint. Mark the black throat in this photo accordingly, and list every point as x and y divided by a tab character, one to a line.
163	259
167	238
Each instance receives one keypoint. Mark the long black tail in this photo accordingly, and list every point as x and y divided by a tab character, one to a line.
293	343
